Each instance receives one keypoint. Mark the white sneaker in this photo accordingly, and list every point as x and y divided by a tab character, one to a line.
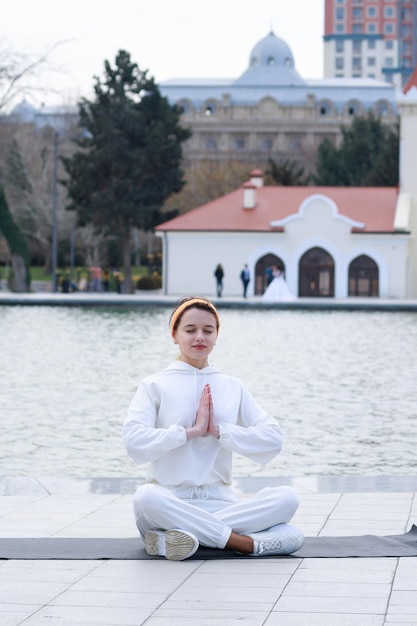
281	539
175	545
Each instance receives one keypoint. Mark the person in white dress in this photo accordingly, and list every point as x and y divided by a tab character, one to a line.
277	290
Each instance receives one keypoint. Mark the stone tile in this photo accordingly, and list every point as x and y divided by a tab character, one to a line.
142	599
211	606
15	618
212	617
240	580
30	592
252	566
404	600
354	565
323	619
232	595
342	575
338	590
347	605
88	616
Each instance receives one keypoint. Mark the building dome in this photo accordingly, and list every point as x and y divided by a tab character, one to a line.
271	63
23	112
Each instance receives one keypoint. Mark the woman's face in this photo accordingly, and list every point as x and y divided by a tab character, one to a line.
196	336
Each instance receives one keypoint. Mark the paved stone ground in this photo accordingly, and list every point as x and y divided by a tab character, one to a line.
313	592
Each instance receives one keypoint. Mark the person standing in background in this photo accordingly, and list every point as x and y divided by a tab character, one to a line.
219	274
245	278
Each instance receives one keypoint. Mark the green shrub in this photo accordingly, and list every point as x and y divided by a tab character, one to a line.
149	282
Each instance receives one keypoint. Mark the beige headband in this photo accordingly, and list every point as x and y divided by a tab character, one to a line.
189	303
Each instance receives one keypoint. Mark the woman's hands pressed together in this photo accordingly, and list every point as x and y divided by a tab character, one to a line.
205	423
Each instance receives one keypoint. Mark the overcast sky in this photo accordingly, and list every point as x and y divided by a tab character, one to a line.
170	38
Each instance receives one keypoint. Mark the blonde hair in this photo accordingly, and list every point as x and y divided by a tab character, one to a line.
189	303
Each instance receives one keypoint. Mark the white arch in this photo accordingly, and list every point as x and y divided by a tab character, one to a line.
380	261
262	251
328	247
314	198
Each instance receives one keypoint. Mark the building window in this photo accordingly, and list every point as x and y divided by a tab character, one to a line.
389	11
239	143
363	277
184	107
382	109
357	29
371	61
340	45
371	28
371	44
371	11
357	13
353	109
270	61
389	28
295	142
340	28
339	63
357	46
210	109
340	13
389	44
356	63
211	143
316	274
389	62
324	108
266	144
371	76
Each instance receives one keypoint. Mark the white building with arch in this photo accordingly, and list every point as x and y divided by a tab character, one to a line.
330	241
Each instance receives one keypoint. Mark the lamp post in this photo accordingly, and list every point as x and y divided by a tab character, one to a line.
54	215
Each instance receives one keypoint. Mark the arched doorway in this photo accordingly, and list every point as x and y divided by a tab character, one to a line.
316	274
363	277
261	275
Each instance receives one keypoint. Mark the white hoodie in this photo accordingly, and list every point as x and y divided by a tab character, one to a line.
166	403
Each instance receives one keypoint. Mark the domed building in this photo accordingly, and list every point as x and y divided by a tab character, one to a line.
270	111
328	242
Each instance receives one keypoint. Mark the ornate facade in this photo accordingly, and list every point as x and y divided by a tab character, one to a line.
271	111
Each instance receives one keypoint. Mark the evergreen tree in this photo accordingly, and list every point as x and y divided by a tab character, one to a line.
368	156
285	173
17	247
131	157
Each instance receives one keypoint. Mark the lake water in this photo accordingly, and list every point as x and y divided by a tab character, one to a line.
342	385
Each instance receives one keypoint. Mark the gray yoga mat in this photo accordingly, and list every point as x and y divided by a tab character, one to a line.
369	546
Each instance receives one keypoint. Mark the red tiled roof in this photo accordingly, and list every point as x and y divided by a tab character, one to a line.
373	206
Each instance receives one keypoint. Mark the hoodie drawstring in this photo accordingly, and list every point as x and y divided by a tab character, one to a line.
199	492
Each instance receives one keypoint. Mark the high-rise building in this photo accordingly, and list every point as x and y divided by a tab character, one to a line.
370	39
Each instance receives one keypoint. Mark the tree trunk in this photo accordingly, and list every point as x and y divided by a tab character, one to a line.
127	286
20	282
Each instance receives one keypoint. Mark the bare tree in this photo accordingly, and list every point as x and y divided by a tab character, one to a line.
207	180
29	181
20	73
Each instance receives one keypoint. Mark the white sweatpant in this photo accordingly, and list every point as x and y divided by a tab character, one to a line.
211	519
